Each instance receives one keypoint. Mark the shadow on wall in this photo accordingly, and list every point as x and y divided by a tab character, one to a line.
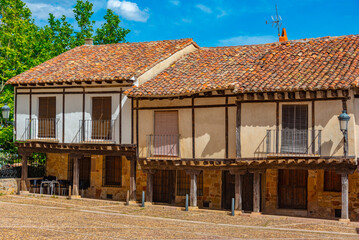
212	147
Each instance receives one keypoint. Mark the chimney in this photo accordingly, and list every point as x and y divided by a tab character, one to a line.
88	41
283	37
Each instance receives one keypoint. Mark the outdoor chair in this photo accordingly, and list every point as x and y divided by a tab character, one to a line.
64	187
35	185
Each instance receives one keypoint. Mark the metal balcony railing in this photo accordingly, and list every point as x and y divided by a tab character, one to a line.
163	146
293	142
97	131
41	129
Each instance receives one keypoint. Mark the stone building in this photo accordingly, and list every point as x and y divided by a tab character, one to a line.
255	123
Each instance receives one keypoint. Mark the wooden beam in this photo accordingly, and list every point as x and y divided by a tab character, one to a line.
345	197
76	175
193	131
277	128
149	187
120	118
133	180
226	128
63	115
238	130
24	172
256	192
238	192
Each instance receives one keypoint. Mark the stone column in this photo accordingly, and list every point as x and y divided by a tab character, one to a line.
345	198
133	180
149	188
256	193
193	189
24	172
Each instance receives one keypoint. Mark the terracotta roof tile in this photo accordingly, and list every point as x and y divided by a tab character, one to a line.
309	64
101	62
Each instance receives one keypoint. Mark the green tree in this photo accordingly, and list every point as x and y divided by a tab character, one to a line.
83	12
111	32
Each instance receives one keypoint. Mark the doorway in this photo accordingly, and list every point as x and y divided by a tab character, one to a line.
228	190
292	188
164	186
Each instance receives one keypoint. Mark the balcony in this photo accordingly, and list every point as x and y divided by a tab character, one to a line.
292	143
97	131
42	129
163	146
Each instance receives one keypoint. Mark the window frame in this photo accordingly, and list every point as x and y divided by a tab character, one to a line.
183	188
105	173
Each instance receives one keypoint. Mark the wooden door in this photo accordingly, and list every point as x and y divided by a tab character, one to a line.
228	190
101	118
247	192
228	185
292	188
164	186
166	133
85	171
47	117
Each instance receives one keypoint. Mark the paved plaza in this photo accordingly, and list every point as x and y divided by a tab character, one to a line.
29	217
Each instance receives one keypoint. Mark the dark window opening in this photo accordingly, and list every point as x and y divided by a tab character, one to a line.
101	118
332	181
112	171
184	183
47	117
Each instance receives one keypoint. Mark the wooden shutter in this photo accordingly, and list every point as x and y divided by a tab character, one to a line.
113	171
47	117
101	118
294	129
332	181
85	172
166	134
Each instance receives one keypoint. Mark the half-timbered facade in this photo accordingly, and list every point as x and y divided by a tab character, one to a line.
73	109
254	123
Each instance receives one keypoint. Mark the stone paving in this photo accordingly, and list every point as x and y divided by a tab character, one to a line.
29	217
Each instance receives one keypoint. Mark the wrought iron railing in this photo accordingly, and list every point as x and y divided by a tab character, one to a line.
293	142
41	129
10	166
163	146
97	131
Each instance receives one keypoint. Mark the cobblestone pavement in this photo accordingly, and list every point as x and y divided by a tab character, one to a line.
29	217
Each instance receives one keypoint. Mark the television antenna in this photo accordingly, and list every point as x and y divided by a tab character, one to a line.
276	20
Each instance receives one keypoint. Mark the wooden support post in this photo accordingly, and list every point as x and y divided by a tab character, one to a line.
238	192
24	172
193	191
133	180
256	193
149	188
193	188
345	198
76	177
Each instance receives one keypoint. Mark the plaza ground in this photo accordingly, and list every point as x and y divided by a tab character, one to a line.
29	217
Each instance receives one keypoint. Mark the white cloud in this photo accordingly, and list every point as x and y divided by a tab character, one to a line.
222	13
247	40
175	2
129	10
41	10
204	8
186	20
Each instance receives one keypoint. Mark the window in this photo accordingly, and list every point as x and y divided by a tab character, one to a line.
112	171
332	181
294	129
101	118
166	134
47	117
184	183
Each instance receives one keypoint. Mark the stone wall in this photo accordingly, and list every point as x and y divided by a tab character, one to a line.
9	186
320	203
97	190
57	165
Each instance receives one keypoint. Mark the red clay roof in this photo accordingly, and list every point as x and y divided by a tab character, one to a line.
101	62
309	64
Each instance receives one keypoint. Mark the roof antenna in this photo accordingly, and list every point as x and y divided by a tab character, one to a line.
276	20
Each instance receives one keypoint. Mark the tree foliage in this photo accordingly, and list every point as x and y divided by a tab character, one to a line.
24	45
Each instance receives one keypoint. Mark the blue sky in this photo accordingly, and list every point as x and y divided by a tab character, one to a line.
217	22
